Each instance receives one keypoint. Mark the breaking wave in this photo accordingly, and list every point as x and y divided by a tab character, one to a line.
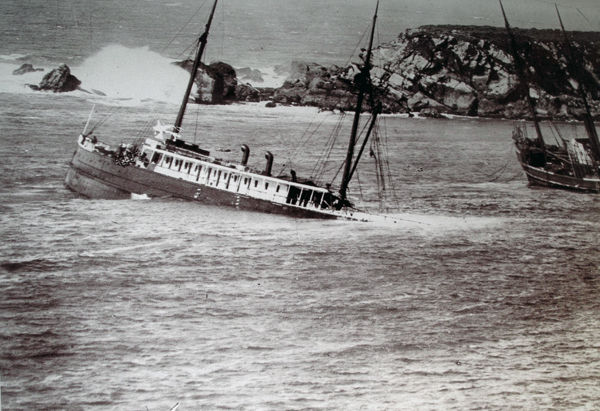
120	72
115	72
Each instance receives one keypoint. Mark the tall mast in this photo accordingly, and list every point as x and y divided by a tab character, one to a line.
364	77
519	65
202	40
588	122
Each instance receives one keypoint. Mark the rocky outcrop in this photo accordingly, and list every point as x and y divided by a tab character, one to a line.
463	70
217	84
59	80
330	88
470	71
26	68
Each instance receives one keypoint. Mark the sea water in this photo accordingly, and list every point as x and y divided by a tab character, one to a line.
482	295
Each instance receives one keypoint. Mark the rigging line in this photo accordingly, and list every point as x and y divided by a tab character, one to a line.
358	44
362	198
586	19
559	133
183	28
379	168
321	162
189	50
392	184
386	155
553	129
320	167
501	171
149	124
519	174
196	122
301	144
331	144
337	173
104	120
385	164
509	155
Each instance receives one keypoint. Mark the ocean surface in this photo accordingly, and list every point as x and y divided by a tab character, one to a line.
483	296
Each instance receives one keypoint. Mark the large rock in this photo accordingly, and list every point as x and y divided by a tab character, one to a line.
326	87
217	84
59	80
469	70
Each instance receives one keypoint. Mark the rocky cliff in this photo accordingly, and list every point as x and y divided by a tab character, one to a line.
462	70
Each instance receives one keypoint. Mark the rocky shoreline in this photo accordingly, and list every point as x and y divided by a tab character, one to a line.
431	70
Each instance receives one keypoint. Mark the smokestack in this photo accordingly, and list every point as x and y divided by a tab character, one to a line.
269	166
246	151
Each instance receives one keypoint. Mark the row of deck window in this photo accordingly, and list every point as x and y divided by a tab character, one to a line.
217	178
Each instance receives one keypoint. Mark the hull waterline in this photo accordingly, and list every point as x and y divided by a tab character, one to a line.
541	177
96	175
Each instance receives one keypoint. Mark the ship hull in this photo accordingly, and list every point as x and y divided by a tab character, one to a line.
95	175
541	177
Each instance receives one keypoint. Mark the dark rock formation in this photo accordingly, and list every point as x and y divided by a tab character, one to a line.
469	71
217	84
26	68
59	80
463	70
329	88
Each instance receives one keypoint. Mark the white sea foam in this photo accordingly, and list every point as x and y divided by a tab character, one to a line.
116	72
270	77
120	72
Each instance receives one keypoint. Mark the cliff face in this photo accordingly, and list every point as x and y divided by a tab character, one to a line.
463	70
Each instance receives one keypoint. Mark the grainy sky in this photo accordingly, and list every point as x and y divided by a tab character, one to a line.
576	14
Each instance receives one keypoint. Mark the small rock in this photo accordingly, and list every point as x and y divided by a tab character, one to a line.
26	68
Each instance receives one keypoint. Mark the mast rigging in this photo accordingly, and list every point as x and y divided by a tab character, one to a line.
202	40
588	121
364	79
519	65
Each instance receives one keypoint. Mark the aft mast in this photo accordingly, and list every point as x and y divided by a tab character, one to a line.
519	65
588	122
202	40
364	77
